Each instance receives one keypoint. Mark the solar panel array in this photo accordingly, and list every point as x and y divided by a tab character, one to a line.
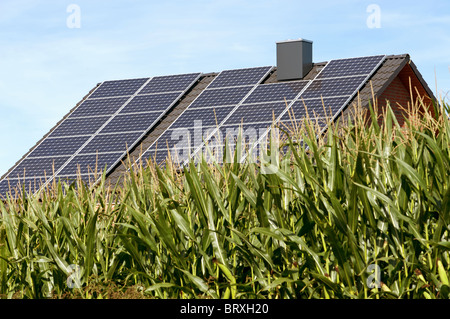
333	88
324	96
201	118
237	108
99	131
117	114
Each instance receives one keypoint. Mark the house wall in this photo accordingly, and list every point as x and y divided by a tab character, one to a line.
398	97
403	93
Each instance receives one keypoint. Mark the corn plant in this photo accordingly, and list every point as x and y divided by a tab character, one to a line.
359	212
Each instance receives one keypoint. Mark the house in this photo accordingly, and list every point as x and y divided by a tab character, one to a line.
130	120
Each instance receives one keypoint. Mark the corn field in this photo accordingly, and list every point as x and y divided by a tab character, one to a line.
360	212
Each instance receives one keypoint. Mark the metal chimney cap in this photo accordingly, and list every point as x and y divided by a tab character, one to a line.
295	40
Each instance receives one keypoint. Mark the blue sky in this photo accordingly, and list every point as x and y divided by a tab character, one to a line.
46	67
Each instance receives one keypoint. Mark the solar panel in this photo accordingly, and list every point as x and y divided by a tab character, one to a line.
254	113
13	186
223	145
203	117
39	167
103	127
350	67
296	123
100	107
58	146
239	77
118	88
72	179
179	154
186	137
314	108
257	111
222	96
5	187
117	114
171	83
79	126
88	164
229	88
130	122
181	143
333	87
146	103
248	133
276	92
328	93
110	143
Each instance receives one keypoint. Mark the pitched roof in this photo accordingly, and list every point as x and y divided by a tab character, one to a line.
372	86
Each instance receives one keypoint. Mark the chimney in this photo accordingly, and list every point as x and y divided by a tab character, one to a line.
294	59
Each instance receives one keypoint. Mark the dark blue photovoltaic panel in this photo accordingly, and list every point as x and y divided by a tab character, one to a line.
348	74
99	107
249	135
89	164
210	108
73	180
180	137
130	122
98	115
275	92
315	107
138	113
298	123
332	87
6	186
183	142
118	88
177	154
14	186
31	167
226	153
229	96
250	76
110	143
181	150
59	146
218	97
148	103
248	113
349	67
248	132
159	153
79	126
170	83
202	117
